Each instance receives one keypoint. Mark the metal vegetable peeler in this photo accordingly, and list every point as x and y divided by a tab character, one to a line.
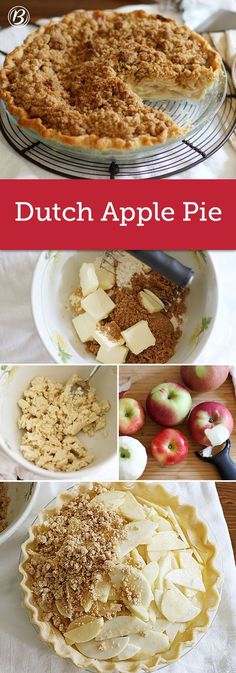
221	459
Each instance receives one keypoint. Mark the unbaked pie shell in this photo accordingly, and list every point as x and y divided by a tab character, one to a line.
155	493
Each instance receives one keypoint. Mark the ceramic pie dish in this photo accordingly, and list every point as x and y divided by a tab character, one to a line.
81	81
144	589
56	277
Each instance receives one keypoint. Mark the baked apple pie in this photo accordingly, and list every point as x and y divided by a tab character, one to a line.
119	577
82	81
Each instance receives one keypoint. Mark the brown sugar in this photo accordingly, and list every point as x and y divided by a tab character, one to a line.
128	311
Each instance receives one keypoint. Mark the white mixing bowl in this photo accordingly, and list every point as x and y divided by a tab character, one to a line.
57	275
15	379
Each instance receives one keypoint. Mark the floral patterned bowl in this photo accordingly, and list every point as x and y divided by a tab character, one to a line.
14	379
57	275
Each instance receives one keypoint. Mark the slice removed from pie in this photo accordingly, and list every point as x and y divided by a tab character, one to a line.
82	81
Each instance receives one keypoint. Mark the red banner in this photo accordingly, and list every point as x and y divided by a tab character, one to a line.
79	214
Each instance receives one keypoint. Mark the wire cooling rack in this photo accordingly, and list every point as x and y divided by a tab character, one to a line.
180	157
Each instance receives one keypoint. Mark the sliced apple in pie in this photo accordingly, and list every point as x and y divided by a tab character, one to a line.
94	592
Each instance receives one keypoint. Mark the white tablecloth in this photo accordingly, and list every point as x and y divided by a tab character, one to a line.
22	651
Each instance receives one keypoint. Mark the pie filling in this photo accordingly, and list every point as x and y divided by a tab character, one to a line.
82	81
119	573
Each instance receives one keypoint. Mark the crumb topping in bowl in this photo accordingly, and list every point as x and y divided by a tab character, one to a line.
52	415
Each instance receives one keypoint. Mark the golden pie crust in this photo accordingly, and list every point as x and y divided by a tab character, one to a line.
198	537
82	81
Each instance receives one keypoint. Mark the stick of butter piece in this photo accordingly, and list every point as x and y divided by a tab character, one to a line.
150	301
116	355
85	326
98	304
139	337
109	335
88	278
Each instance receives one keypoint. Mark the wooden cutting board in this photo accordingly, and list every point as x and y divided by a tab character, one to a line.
144	378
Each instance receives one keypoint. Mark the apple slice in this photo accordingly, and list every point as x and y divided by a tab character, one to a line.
152	505
109	649
155	555
111	499
102	590
158	593
163	524
166	541
136	581
217	435
131	509
85	632
177	608
164	568
137	559
151	643
121	626
189	563
139	611
185	579
177	527
134	532
172	630
129	652
78	622
63	609
150	571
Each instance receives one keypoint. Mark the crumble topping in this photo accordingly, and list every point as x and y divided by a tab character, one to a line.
4	502
52	415
71	553
81	76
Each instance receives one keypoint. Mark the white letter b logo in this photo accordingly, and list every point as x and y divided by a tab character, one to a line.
18	16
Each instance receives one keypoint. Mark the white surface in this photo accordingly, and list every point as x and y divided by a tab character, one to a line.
22	651
220	165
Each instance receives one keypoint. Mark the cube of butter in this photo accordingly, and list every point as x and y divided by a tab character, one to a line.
139	337
108	335
98	304
85	326
115	355
88	278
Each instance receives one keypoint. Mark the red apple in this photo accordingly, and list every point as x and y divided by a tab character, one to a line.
169	447
131	416
203	378
206	416
168	403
